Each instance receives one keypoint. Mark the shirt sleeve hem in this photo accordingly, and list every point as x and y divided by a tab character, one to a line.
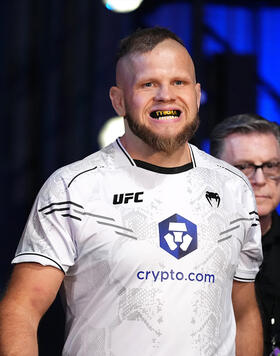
245	276
38	258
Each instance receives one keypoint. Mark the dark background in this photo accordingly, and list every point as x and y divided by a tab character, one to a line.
56	68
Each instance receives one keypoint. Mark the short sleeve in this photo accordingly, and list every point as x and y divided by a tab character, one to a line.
251	255
49	234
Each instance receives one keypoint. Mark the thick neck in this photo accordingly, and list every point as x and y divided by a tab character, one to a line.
143	152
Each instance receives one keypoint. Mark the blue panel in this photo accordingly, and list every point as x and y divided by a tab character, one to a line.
268	64
205	145
230	29
267	106
215	19
269	45
176	17
240	28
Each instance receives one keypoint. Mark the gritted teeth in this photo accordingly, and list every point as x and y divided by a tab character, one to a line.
159	114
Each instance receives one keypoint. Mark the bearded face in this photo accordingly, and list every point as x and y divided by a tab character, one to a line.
160	143
158	96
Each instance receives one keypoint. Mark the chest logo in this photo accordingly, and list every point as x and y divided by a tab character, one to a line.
178	236
213	199
125	198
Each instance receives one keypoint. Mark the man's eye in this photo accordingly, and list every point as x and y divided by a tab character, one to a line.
271	164
178	82
242	166
149	84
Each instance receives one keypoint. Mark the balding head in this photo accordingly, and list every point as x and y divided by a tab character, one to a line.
143	41
125	69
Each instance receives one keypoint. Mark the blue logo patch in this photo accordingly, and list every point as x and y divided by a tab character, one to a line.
178	236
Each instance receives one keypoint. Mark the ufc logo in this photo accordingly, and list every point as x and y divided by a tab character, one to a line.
124	198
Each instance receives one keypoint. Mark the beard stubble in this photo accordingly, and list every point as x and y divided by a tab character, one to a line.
159	143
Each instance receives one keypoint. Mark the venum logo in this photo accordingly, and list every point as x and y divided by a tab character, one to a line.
178	236
124	198
213	198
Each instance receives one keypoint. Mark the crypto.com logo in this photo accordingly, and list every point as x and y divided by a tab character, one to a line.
178	236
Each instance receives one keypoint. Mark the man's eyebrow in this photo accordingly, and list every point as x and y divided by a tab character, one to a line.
262	162
243	162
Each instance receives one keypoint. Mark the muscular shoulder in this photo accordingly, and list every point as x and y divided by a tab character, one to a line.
80	176
222	169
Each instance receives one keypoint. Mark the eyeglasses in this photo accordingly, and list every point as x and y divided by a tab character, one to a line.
270	170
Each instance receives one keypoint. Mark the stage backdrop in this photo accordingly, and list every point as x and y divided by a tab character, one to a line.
57	65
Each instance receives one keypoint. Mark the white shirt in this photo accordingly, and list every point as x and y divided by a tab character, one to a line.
149	255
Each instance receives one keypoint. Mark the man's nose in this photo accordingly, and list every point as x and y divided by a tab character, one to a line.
258	177
165	93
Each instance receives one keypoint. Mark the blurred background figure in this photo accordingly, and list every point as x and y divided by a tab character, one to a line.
252	144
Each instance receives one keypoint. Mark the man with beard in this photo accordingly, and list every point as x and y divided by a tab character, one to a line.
156	244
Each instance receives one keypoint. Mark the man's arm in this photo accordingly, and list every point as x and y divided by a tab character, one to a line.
31	291
249	337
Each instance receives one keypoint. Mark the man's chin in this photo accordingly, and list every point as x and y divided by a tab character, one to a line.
163	143
166	144
264	210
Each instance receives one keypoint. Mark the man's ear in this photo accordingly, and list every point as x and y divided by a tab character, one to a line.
116	96
198	94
